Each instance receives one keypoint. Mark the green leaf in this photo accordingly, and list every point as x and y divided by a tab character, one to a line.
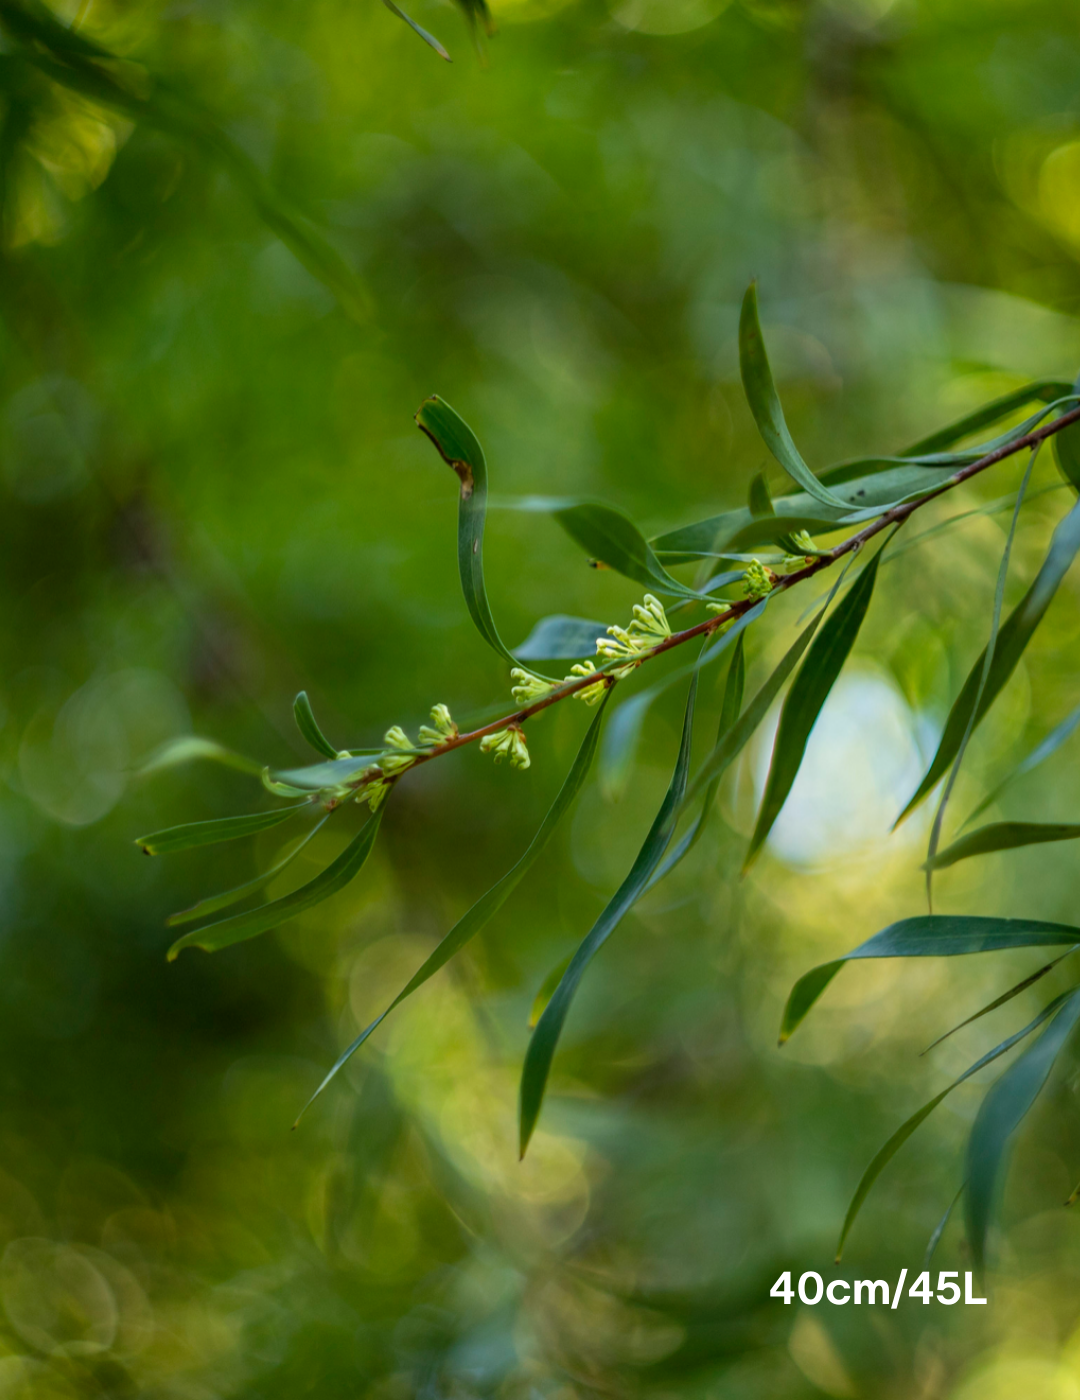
181	838
267	916
927	936
803	702
1042	751
215	902
939	1229
1002	836
1013	637
460	449
760	502
765	403
489	904
188	748
561	638
1046	390
1067	453
614	541
547	989
889	1151
309	728
1015	991
729	713
427	38
1001	1113
545	1038
333	773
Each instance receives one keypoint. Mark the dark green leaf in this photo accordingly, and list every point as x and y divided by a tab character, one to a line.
889	1151
1015	991
489	904
1067	453
216	902
1048	746
804	701
309	728
545	1038
267	916
1002	836
333	773
612	539
729	713
760	502
561	638
927	936
939	1228
188	748
427	38
765	403
460	449
1012	638
1001	1113
547	988
1046	390
181	838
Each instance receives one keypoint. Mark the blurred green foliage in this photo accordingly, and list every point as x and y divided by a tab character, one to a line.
214	496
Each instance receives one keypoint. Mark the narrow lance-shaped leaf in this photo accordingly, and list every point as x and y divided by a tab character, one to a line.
561	638
417	29
182	838
1013	991
309	727
335	877
765	403
624	732
939	1229
1000	1114
1067	449
214	903
1047	390
460	449
729	713
1039	754
988	665
545	1038
927	936
1002	836
188	748
894	1144
547	988
489	904
1013	637
803	703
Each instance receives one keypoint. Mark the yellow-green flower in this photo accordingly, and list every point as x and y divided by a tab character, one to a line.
591	694
441	728
507	743
528	687
758	580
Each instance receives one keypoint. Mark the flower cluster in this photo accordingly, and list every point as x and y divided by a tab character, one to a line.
649	626
507	743
528	687
591	694
758	580
805	545
441	728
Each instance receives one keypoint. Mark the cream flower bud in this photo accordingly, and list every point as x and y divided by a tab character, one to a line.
528	687
507	743
442	727
650	619
591	694
396	738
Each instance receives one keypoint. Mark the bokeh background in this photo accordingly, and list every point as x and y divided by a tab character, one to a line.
213	495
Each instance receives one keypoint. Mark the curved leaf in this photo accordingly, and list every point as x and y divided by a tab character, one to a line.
894	1144
333	773
1001	1113
489	904
764	402
547	988
215	902
561	638
927	936
309	727
1048	746
267	916
545	1038
460	449
803	702
190	747
182	838
1048	390
1013	637
416	28
1002	836
939	1229
1014	991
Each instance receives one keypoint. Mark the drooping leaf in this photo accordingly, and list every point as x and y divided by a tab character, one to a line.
547	988
927	936
427	38
561	638
489	904
894	1144
1042	751
623	734
1012	638
988	666
729	713
1067	449
1002	836
1001	1113
1046	390
764	403
545	1037
803	702
939	1229
328	882
1014	991
190	747
214	903
460	449
181	838
309	727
